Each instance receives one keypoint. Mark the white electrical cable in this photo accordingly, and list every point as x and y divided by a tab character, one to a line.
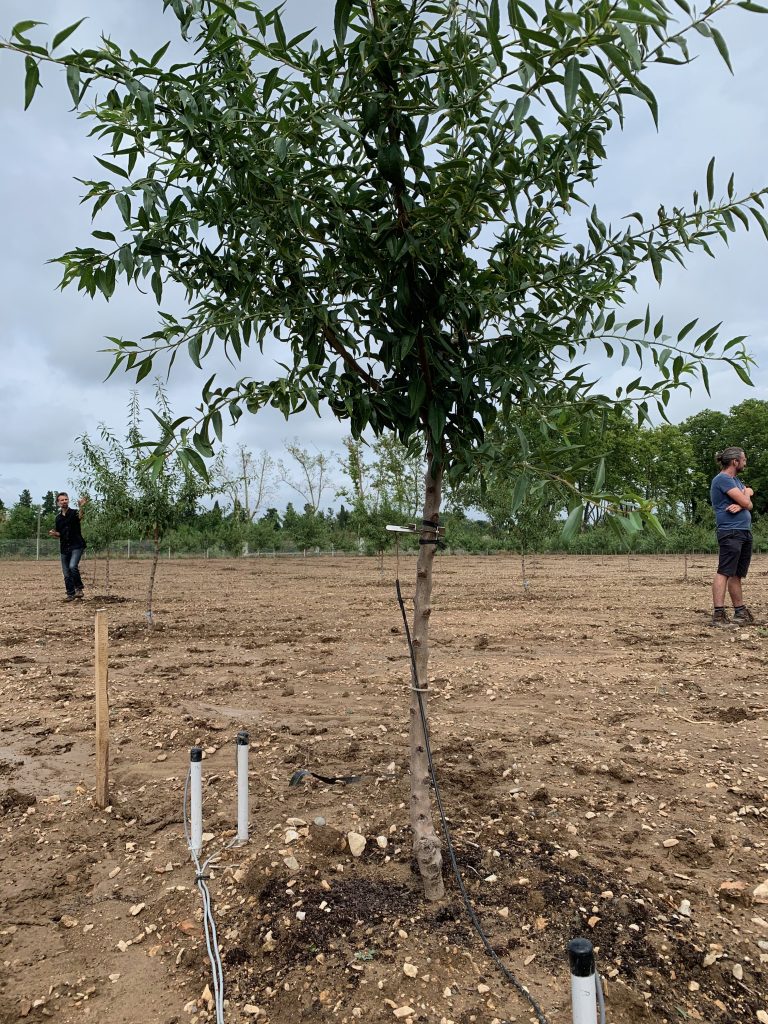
211	937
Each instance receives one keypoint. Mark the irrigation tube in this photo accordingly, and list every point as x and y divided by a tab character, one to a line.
242	786
583	985
196	800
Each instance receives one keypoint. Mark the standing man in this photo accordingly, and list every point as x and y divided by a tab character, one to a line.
732	502
71	543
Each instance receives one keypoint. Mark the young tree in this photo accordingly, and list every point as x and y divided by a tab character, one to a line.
391	207
103	472
130	491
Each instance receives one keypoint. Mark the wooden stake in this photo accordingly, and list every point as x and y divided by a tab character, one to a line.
102	710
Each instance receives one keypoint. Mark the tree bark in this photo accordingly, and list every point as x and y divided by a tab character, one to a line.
153	570
426	842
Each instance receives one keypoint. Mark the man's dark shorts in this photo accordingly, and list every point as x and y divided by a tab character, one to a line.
735	552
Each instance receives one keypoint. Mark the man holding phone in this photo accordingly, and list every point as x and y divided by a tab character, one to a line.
68	529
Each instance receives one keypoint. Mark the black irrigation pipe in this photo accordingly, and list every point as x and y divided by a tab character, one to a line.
447	833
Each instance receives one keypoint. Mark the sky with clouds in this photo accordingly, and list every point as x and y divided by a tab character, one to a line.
52	386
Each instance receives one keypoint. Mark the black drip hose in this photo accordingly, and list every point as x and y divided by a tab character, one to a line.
447	833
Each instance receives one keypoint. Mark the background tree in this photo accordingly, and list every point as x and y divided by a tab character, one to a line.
21	521
248	479
392	208
707	433
748	426
308	473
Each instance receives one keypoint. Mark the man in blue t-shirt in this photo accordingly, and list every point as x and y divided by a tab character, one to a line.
732	503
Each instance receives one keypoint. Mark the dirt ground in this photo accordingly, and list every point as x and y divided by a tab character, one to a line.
600	750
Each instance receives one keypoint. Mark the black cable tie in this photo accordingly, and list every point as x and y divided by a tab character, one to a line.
439	544
201	878
429	524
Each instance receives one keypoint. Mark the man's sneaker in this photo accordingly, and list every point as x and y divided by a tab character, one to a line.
70	597
744	617
720	618
79	594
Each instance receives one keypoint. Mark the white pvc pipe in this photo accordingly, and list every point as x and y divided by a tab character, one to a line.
583	991
196	800
242	787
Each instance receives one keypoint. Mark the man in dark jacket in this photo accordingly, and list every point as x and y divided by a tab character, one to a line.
71	543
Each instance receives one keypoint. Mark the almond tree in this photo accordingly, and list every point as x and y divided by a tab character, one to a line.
392	207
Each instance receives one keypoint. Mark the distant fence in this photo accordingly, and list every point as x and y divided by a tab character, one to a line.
47	549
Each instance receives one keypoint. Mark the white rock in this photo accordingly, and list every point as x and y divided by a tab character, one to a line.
295	822
738	972
381	842
115	872
291	836
114	977
685	908
291	863
669	843
356	844
404	1011
760	894
762	1016
137	909
411	970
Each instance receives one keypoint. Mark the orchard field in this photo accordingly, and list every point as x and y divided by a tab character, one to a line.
601	753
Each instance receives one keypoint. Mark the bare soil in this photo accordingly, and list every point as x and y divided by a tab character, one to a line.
600	750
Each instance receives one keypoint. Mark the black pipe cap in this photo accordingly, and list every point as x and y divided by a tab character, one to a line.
582	958
243	738
196	754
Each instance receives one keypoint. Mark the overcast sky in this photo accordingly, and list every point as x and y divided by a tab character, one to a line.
52	387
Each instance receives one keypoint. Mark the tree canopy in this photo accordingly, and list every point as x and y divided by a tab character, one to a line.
392	205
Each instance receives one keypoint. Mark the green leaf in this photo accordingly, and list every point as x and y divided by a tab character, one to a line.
655	259
571	83
573	522
711	180
629	39
341	20
65	33
217	424
493	31
123	203
114	168
688	327
600	476
73	82
194	346
31	80
196	462
519	493
21	27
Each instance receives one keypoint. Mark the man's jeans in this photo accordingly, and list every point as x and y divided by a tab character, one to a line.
69	566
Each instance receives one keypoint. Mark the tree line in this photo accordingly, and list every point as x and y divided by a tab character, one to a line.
345	499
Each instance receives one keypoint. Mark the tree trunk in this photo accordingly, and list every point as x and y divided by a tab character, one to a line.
426	842
153	570
106	571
